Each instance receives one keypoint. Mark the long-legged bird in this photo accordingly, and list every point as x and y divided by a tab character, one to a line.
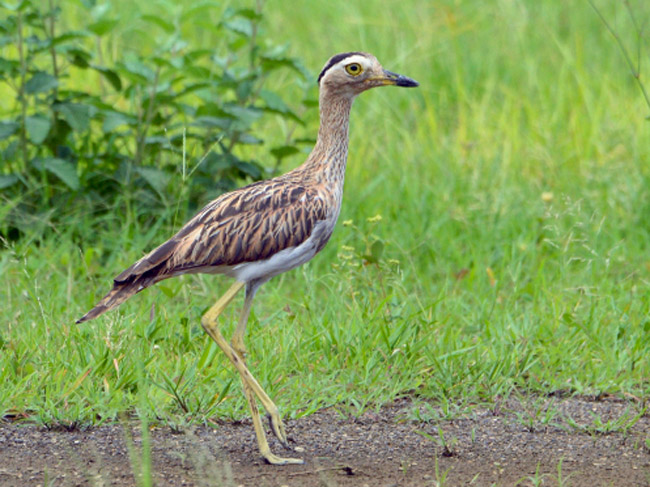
259	231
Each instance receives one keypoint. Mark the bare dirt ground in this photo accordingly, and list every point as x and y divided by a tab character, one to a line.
516	443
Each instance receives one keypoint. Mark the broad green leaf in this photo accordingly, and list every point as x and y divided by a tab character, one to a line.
273	101
239	43
97	10
305	140
204	8
244	88
160	118
249	168
191	88
7	180
247	115
112	120
9	66
76	34
139	69
248	13
102	26
284	151
78	57
163	62
376	251
10	151
63	170
272	62
38	126
160	22
40	82
76	114
198	54
160	140
275	104
213	122
156	178
7	129
249	139
16	6
111	76
240	26
212	110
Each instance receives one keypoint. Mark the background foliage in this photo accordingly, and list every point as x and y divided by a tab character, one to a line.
84	131
494	234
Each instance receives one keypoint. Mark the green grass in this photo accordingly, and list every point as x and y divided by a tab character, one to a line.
513	187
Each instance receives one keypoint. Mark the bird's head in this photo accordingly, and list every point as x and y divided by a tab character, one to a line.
351	73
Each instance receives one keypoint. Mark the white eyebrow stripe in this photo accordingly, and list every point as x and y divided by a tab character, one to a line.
355	58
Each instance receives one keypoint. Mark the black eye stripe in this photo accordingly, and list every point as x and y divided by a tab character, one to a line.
337	59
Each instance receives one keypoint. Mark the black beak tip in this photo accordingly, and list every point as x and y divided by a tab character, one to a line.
407	82
400	80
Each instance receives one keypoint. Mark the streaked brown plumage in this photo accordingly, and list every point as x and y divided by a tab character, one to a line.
246	225
261	230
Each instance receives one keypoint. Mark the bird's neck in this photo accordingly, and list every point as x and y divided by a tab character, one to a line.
329	156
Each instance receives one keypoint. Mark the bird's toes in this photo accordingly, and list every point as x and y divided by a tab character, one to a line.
277	427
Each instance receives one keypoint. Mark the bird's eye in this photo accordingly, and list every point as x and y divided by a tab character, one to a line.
354	69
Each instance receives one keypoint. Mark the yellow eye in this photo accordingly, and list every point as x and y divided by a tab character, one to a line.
354	69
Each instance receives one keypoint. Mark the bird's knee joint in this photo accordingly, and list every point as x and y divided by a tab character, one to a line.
207	324
239	348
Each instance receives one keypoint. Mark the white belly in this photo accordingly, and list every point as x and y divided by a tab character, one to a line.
284	260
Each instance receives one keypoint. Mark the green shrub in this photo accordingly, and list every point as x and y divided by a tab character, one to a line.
86	137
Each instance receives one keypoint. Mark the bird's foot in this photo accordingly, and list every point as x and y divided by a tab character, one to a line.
276	460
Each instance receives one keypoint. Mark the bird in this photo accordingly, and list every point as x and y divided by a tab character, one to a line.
263	229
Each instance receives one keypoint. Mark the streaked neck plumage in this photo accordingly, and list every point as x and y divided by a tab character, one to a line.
328	159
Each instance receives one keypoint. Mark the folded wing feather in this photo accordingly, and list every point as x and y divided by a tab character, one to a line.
246	225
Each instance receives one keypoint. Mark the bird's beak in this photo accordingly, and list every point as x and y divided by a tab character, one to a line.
393	79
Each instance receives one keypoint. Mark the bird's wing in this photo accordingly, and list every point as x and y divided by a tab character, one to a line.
245	225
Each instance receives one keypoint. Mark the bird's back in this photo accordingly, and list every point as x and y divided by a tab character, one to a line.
246	225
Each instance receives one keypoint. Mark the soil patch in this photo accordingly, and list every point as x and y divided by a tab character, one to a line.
571	441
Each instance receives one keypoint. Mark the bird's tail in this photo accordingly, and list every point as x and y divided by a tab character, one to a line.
121	292
149	270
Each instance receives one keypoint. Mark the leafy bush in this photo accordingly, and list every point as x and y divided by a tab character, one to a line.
85	135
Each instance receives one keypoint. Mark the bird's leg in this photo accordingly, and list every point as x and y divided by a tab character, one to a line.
251	386
275	420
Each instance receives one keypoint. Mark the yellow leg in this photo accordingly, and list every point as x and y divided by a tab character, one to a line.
275	420
251	386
